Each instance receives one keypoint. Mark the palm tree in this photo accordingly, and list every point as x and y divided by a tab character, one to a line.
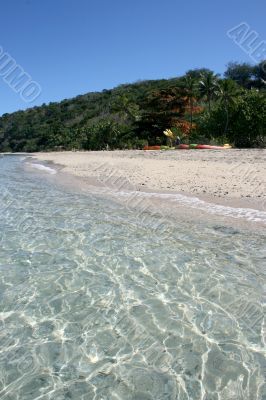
208	87
228	91
191	91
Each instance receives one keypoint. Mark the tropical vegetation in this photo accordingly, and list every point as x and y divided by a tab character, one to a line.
200	106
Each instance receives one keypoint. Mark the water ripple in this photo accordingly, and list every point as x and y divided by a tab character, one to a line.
95	307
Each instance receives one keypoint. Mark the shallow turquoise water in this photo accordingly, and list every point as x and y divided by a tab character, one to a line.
97	305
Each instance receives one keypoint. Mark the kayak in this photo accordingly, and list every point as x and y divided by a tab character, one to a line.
152	148
208	147
202	147
167	148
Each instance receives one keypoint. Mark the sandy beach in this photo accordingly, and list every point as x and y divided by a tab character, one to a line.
235	177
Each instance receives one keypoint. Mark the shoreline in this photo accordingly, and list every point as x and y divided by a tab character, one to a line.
233	178
168	211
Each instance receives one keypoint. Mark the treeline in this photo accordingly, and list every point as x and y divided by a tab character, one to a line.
200	107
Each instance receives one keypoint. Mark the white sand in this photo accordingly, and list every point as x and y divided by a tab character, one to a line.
235	177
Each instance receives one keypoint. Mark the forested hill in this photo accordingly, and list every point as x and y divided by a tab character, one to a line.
199	106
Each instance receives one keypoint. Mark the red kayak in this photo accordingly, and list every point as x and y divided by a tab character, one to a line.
152	148
208	147
199	147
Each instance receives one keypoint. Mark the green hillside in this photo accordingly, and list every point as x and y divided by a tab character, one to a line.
199	106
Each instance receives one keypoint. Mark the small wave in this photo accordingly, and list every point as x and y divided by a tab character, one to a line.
43	168
249	214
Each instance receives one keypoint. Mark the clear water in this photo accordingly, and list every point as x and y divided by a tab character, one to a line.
96	305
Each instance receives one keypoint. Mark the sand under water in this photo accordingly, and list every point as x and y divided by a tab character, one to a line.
109	293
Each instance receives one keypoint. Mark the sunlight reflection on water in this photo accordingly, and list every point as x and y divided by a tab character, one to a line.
94	306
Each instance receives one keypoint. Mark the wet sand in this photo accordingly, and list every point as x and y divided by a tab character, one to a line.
231	177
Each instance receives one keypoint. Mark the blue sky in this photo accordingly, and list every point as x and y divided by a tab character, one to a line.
72	47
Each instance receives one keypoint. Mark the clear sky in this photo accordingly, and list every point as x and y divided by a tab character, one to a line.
72	47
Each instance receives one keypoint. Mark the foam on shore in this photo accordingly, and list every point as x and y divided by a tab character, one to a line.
249	214
43	168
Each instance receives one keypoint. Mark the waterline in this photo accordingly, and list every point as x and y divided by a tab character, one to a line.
43	168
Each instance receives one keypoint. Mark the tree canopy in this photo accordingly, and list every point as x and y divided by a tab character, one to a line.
200	106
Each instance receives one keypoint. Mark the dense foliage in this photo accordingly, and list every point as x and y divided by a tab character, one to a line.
200	107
